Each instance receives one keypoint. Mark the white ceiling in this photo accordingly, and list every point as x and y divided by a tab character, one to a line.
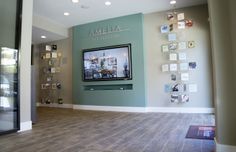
54	9
38	32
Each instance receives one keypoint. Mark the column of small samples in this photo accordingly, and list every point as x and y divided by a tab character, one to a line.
50	67
178	65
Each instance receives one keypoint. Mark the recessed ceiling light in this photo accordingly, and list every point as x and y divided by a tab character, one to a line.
172	2
75	1
107	3
66	13
43	37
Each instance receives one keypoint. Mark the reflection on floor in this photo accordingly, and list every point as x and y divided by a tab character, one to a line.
89	131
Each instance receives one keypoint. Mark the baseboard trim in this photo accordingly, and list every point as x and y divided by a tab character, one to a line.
131	109
109	108
179	110
25	126
55	105
224	148
144	109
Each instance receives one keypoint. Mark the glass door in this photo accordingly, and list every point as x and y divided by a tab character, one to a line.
9	46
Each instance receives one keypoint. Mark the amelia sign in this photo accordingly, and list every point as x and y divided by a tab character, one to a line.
106	30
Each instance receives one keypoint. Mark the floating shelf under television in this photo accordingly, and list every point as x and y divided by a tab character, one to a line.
108	87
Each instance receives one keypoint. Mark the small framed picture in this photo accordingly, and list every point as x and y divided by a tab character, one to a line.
180	16
170	16
165	29
184	66
173	77
165	48
43	86
182	45
192	65
54	55
49	79
189	23
181	25
165	68
54	86
172	37
173	46
48	48
47	85
173	57
54	47
53	70
173	67
191	44
48	55
182	56
50	62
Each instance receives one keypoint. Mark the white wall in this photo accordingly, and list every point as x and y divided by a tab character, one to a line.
202	76
25	66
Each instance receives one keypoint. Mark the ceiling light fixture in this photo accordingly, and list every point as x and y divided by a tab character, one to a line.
172	2
75	1
43	37
66	13
107	3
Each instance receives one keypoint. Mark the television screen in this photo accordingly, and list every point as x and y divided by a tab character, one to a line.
107	63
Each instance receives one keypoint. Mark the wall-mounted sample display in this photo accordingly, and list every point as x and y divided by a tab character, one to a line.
51	62
178	58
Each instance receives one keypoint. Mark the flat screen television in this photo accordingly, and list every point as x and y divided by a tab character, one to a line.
107	63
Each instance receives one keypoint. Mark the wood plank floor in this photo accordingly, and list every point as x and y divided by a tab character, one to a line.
65	130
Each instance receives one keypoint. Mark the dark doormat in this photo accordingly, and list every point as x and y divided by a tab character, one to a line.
201	132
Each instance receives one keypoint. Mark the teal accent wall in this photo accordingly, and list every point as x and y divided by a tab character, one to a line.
132	27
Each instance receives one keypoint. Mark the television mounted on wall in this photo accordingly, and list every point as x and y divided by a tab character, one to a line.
107	63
